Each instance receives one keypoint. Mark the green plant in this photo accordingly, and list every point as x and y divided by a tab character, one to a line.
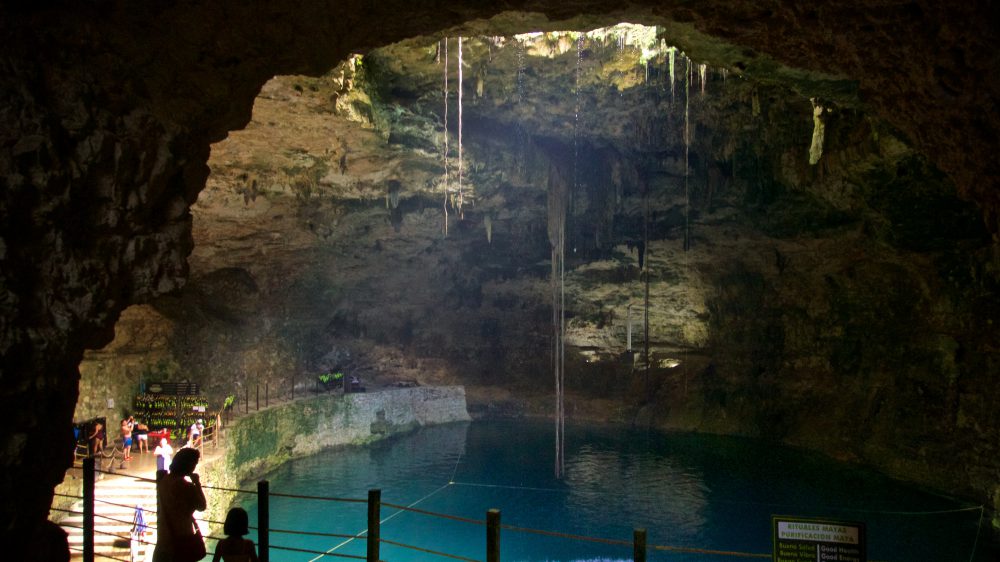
325	378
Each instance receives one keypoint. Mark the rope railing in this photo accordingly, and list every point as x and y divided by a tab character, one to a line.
692	550
560	535
323	498
100	555
105	517
98	531
120	475
434	514
106	502
220	488
372	532
316	534
307	551
428	551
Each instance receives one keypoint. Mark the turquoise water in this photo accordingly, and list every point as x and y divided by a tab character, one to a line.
698	491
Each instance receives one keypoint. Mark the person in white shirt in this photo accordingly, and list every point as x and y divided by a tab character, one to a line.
194	434
163	452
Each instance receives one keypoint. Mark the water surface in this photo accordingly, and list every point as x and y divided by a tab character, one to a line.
687	490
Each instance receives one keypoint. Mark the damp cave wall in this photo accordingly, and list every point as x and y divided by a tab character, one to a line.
263	440
110	109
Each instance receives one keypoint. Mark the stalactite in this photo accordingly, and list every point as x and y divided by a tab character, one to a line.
557	207
392	194
460	170
673	60
628	327
520	72
819	131
488	224
702	76
645	305
445	204
687	157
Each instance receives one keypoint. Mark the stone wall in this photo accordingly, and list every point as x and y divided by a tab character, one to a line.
262	441
138	353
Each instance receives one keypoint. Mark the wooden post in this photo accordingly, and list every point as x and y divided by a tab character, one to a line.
263	521
639	545
374	525
493	535
88	509
248	400
257	386
267	392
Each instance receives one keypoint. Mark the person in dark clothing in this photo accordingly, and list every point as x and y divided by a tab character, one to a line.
178	537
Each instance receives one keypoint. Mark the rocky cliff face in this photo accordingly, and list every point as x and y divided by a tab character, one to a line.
262	441
110	110
842	305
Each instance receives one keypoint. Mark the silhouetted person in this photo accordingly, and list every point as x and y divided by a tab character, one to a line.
178	538
235	548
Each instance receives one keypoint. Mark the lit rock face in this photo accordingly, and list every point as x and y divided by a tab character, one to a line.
108	116
803	311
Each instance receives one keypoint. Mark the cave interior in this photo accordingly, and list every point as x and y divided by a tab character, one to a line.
770	221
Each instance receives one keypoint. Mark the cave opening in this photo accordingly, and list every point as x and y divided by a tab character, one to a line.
718	211
801	255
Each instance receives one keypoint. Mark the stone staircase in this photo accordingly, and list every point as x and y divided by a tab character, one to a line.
116	497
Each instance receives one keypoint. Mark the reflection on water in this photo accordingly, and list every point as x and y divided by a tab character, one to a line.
602	481
691	491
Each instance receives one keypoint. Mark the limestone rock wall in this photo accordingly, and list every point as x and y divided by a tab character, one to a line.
262	441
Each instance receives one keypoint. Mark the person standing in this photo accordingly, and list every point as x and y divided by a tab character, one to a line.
142	436
163	452
178	537
126	432
97	439
194	434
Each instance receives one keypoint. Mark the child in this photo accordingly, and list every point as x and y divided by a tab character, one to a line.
234	548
